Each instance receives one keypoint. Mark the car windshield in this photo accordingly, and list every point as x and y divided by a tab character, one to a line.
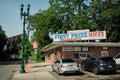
118	56
67	61
107	59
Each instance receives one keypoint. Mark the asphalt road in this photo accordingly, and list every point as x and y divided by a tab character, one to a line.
8	68
87	75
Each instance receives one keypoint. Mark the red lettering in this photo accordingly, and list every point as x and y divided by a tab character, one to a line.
96	34
70	39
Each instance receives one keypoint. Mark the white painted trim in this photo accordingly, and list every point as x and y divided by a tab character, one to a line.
104	53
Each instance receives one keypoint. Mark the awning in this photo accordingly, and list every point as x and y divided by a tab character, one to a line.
61	44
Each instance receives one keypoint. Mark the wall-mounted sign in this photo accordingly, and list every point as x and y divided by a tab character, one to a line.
80	35
84	48
105	48
71	49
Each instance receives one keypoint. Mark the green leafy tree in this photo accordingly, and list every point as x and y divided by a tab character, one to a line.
105	14
61	16
64	15
2	39
72	14
28	48
111	17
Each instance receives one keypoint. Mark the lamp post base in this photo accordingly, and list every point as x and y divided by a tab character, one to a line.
22	70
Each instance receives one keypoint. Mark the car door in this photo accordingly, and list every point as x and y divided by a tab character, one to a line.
117	59
93	61
86	63
90	63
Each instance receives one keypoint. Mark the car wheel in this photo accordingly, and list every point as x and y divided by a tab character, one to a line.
53	68
95	70
59	71
82	67
114	71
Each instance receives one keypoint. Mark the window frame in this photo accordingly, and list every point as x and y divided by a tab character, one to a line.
104	53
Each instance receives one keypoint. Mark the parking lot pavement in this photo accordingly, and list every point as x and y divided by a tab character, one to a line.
87	75
35	71
43	71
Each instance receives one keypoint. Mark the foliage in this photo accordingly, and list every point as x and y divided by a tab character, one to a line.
106	17
111	17
64	15
33	57
2	38
28	48
61	16
37	57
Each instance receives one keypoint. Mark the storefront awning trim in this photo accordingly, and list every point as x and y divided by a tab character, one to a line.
60	44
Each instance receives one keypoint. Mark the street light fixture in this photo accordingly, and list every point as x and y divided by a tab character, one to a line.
24	15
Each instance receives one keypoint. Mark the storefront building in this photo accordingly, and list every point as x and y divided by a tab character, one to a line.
66	46
79	51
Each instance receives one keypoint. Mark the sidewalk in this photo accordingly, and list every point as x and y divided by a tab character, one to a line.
35	71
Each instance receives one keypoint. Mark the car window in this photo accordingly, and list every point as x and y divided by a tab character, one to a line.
118	56
107	59
92	58
88	59
67	61
88	56
57	61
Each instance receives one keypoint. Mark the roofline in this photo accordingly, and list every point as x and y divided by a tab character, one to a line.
60	44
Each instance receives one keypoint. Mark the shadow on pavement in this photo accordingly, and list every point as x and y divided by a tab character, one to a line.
39	66
68	74
74	74
10	61
106	73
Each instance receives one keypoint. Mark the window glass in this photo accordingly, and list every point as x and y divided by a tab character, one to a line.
107	59
88	56
93	58
76	55
104	53
81	55
67	61
57	61
118	56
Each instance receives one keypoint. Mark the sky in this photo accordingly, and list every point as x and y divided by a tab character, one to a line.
10	14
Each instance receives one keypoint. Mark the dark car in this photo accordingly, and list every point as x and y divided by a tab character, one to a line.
63	66
99	64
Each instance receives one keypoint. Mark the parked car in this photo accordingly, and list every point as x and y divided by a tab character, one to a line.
62	66
99	64
117	60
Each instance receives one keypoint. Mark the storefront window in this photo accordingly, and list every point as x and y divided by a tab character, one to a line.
81	55
104	53
76	55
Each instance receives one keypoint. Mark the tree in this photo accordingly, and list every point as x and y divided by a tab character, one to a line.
106	17
28	48
72	13
64	15
61	16
2	39
111	17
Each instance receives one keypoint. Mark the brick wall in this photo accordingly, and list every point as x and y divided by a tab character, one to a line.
69	54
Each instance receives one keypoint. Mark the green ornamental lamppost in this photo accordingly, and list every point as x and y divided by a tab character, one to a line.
24	15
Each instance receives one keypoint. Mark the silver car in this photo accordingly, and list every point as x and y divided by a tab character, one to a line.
62	66
117	60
